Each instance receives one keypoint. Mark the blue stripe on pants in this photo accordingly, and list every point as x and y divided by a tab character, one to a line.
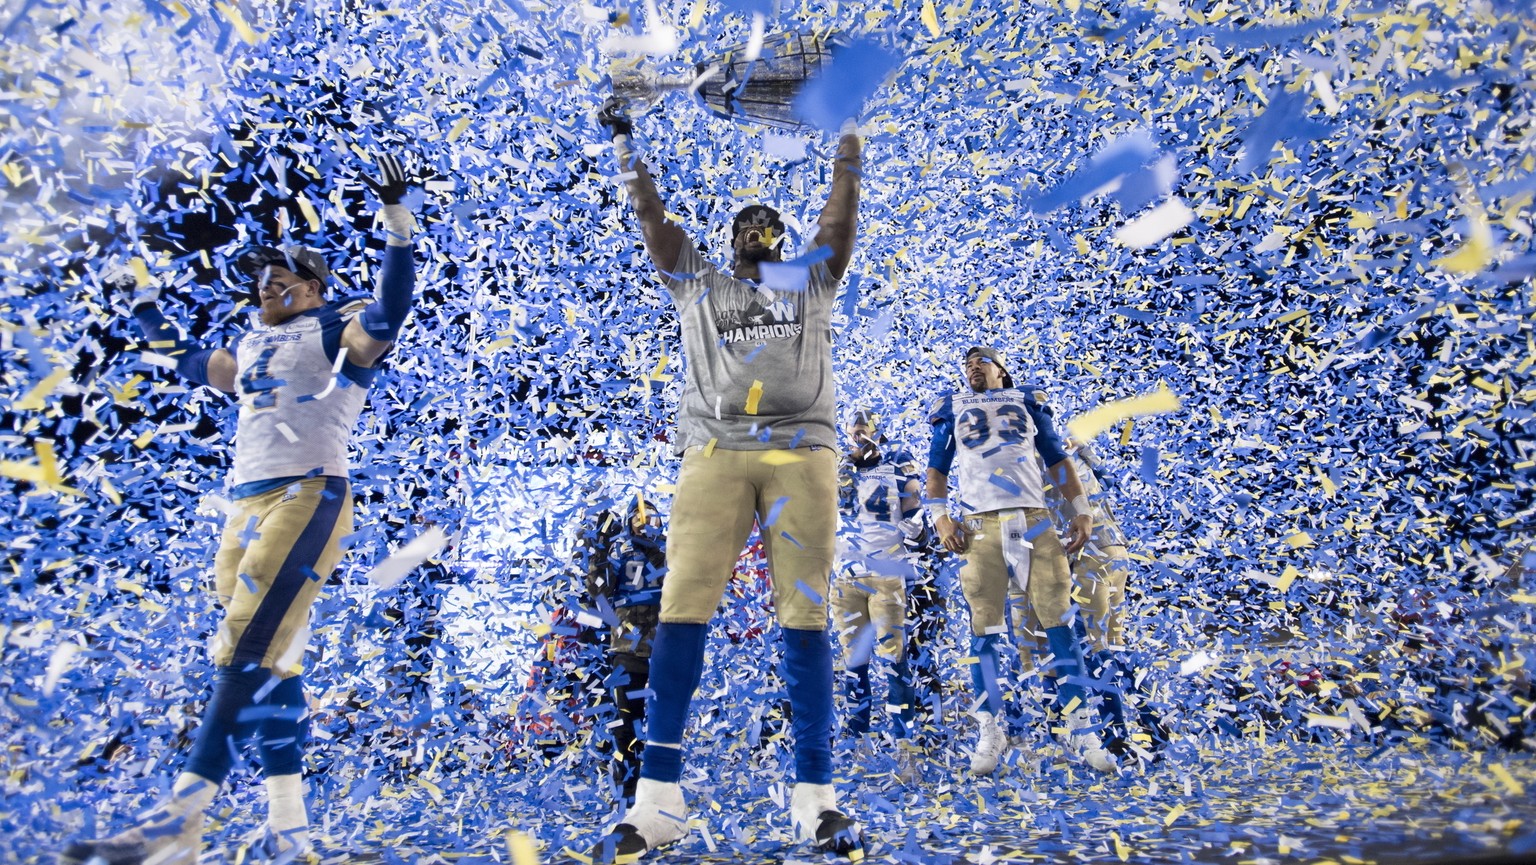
296	571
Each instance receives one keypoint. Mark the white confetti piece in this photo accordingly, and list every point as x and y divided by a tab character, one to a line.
1155	225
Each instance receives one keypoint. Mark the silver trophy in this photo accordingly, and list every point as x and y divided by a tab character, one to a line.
758	90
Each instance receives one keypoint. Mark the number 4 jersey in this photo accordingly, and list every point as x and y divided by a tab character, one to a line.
299	396
994	437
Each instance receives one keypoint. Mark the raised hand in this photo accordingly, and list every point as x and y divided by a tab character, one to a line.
391	184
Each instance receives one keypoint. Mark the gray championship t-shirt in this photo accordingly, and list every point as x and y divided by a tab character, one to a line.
759	361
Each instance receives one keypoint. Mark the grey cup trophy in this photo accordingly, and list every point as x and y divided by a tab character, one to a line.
758	90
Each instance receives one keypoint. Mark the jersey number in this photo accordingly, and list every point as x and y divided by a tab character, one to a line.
634	573
975	427
878	505
258	382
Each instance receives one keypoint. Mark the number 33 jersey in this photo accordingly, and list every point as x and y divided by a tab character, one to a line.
997	435
299	397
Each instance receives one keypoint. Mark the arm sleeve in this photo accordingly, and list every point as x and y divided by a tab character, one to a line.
907	475
397	283
1047	442
191	359
941	451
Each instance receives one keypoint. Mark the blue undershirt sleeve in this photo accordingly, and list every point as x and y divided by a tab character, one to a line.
191	359
941	451
397	282
1047	442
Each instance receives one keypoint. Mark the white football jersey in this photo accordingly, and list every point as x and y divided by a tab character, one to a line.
996	448
875	506
299	397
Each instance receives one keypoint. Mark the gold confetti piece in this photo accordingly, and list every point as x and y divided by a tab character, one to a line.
458	128
1174	813
1299	540
45	473
110	491
310	215
781	457
1508	780
1287	577
709	449
436	791
1478	251
242	29
1089	424
930	19
140	271
754	395
33	399
522	848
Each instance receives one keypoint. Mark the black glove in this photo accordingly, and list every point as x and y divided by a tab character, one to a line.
614	116
391	184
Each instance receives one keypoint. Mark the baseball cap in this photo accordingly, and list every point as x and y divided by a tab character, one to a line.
301	260
993	355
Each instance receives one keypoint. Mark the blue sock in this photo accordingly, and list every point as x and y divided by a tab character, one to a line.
1068	664
860	699
228	722
1105	669
808	678
677	662
280	735
900	692
984	673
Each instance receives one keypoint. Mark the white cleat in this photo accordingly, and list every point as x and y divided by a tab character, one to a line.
1084	745
813	810
659	817
991	744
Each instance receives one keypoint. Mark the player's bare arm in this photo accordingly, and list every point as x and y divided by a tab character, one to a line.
1064	474
663	240
951	533
838	226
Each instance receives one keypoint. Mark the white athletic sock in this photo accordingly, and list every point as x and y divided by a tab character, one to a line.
193	793
285	804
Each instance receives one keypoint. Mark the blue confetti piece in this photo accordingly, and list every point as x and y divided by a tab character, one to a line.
1150	456
810	593
856	70
1006	484
1118	158
1283	119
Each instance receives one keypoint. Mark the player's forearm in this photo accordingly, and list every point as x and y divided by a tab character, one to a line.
838	226
644	197
161	336
392	303
1064	476
936	486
